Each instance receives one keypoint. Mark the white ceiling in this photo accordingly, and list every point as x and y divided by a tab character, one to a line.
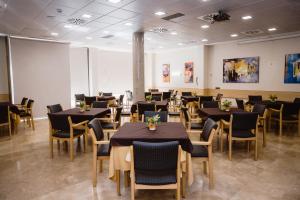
38	18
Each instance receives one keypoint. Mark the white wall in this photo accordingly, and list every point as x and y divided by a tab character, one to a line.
3	68
272	60
79	72
41	71
176	59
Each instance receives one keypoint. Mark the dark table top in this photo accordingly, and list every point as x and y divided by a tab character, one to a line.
78	116
190	98
171	131
105	98
217	114
13	108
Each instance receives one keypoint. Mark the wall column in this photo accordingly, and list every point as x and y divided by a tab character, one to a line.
138	66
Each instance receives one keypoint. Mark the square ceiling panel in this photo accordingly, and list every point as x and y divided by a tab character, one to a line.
108	19
98	8
123	14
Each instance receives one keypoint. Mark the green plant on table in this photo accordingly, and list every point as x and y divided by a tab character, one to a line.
273	97
148	98
226	105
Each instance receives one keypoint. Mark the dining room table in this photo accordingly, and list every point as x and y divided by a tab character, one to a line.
121	141
217	114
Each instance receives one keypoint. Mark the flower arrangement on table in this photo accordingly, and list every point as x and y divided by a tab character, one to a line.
148	98
82	105
226	105
152	122
273	97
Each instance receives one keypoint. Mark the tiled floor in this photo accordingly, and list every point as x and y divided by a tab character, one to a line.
27	172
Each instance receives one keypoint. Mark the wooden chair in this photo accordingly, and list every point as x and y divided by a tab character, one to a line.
289	113
100	147
5	117
162	114
192	125
210	104
54	108
203	149
27	114
100	104
111	125
61	128
120	100
23	103
262	119
243	126
240	104
155	166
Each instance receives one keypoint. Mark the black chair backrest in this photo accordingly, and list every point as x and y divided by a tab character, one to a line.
290	108
29	103
166	95
240	104
204	98
121	99
118	114
297	100
4	110
210	104
186	93
54	108
162	114
156	97
107	94
185	113
209	125
100	104
184	102
153	90
89	100
244	120
95	124
255	98
142	107
259	108
59	122
147	94
79	97
24	101
219	96
155	158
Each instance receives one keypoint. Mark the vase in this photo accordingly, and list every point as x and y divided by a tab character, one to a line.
81	110
152	126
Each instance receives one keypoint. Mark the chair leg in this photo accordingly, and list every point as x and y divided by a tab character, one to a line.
248	146
85	138
71	150
255	158
183	184
280	125
100	166
221	139
230	148
94	165
9	129
51	147
118	182
204	167
132	190
264	135
207	168
32	122
178	197
58	145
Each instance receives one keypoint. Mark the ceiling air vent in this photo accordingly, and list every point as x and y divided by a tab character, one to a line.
76	21
159	30
107	36
174	16
252	32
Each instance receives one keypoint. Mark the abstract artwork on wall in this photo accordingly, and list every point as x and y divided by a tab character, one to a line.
241	70
189	72
166	73
292	68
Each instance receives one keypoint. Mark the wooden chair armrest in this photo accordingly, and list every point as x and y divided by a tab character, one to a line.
102	142
78	125
198	119
201	143
274	110
226	123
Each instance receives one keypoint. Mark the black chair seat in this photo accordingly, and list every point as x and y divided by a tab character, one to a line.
240	133
103	150
174	113
196	126
107	125
199	151
162	178
64	134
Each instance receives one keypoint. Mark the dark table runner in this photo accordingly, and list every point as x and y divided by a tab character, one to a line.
216	114
77	116
171	131
158	104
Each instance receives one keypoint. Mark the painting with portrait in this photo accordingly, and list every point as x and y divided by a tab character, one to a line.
292	68
189	72
166	73
241	70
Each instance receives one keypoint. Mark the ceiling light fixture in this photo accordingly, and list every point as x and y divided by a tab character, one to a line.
105	32
180	44
205	0
130	43
205	26
204	40
173	33
160	13
88	38
148	38
234	35
272	29
160	47
87	16
128	24
247	17
114	1
68	26
54	34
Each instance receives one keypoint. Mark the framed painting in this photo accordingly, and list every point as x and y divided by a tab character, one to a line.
292	68
166	73
241	70
189	72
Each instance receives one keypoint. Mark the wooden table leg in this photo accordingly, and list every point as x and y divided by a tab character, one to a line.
118	182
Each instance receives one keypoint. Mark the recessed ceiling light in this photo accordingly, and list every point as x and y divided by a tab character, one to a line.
160	13
272	29
68	26
105	32
54	34
173	33
205	26
88	38
204	40
205	0
130	43
86	16
160	47
234	35
128	24
114	1
180	44
247	17
148	38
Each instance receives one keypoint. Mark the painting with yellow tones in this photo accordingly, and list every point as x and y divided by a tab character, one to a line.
166	73
241	70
